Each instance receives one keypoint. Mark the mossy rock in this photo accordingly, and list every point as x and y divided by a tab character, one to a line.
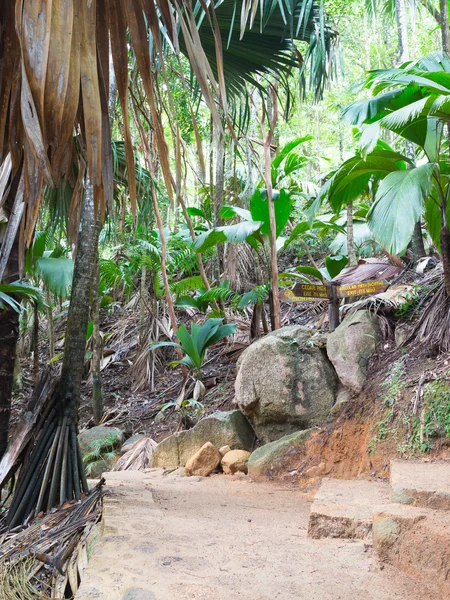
89	438
222	428
271	458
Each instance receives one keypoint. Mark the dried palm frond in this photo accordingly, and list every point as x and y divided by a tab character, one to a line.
391	300
54	80
138	458
57	540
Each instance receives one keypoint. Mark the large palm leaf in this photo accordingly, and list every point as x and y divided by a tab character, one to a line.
54	78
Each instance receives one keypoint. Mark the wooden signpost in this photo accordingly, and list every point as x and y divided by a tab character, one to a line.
307	292
362	289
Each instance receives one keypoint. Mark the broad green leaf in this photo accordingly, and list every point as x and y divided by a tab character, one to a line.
196	212
163	345
187	342
335	264
310	271
276	162
398	205
57	274
259	208
221	333
228	212
228	233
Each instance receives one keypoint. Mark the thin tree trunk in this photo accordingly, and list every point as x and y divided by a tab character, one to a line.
418	246
51	326
402	29
351	253
97	345
35	343
443	6
445	252
219	195
78	317
272	120
9	333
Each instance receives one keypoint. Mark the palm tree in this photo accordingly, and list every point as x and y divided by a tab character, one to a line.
43	69
412	101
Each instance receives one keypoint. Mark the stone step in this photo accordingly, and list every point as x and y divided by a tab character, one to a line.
343	509
420	483
416	541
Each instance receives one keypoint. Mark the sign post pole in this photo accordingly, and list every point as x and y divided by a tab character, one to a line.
333	306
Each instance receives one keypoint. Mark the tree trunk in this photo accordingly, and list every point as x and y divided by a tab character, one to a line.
9	323
54	470
402	29
78	317
351	253
418	246
443	6
219	195
445	252
272	220
9	333
35	343
97	345
51	326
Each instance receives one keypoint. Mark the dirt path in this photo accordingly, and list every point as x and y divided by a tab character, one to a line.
225	538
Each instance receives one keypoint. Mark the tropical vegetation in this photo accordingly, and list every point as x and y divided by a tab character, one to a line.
187	162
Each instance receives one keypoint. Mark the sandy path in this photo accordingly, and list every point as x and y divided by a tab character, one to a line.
221	538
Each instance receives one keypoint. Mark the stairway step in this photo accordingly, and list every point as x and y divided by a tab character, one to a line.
420	483
415	540
343	509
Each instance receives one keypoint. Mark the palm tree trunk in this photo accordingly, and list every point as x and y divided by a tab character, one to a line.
9	333
97	345
35	344
43	481
402	30
51	327
351	253
272	121
219	195
78	317
443	6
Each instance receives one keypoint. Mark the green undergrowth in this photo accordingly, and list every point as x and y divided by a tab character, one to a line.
103	449
416	430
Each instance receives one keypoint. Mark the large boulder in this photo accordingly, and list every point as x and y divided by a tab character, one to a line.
203	462
350	347
271	458
221	429
105	437
285	383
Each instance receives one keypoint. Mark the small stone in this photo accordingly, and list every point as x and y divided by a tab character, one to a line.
224	450
235	461
204	461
